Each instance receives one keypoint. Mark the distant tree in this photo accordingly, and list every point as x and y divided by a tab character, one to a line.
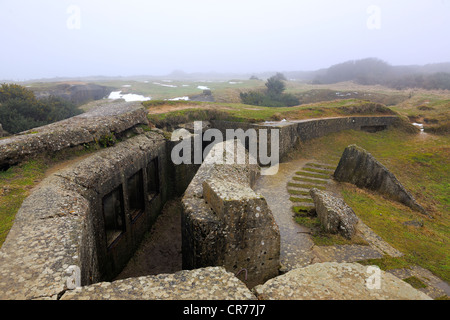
13	91
21	111
254	98
275	86
366	71
280	76
254	78
273	96
439	80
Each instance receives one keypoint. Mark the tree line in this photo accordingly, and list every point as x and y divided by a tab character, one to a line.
374	71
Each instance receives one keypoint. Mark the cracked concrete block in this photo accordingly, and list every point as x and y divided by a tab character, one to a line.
334	214
252	238
359	167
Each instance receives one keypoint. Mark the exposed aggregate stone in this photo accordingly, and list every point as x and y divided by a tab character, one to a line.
336	281
212	283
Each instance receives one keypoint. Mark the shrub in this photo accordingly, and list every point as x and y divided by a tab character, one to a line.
273	96
21	111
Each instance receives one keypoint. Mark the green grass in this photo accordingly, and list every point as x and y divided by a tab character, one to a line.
301	210
254	114
422	164
305	186
17	182
426	246
321	166
387	263
318	235
314	170
313	175
301	200
298	192
309	180
15	186
415	282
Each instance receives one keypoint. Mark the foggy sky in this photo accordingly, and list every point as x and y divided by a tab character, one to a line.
51	38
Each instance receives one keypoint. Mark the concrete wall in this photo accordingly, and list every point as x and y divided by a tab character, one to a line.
62	223
105	121
225	223
292	132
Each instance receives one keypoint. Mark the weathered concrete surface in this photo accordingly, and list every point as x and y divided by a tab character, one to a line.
210	238
295	241
359	167
212	283
292	132
334	214
336	281
252	239
61	223
43	242
104	121
434	287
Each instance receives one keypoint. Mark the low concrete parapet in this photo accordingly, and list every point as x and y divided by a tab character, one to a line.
104	121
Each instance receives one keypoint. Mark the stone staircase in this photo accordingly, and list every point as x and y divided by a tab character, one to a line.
312	175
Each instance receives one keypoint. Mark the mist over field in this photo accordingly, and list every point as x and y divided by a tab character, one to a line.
79	38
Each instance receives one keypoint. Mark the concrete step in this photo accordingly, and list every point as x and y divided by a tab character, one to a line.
311	180
309	174
297	185
321	166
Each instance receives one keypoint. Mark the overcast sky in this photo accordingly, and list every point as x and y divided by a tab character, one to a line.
50	38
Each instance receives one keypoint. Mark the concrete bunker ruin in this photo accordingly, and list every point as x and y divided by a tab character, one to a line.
93	214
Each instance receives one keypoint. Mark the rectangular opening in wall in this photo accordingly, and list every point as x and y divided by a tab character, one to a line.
114	215
153	178
135	189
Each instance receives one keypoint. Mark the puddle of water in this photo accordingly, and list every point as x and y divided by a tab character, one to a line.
420	126
129	97
165	85
180	99
203	88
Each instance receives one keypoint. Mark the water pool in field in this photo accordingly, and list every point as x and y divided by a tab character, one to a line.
129	97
